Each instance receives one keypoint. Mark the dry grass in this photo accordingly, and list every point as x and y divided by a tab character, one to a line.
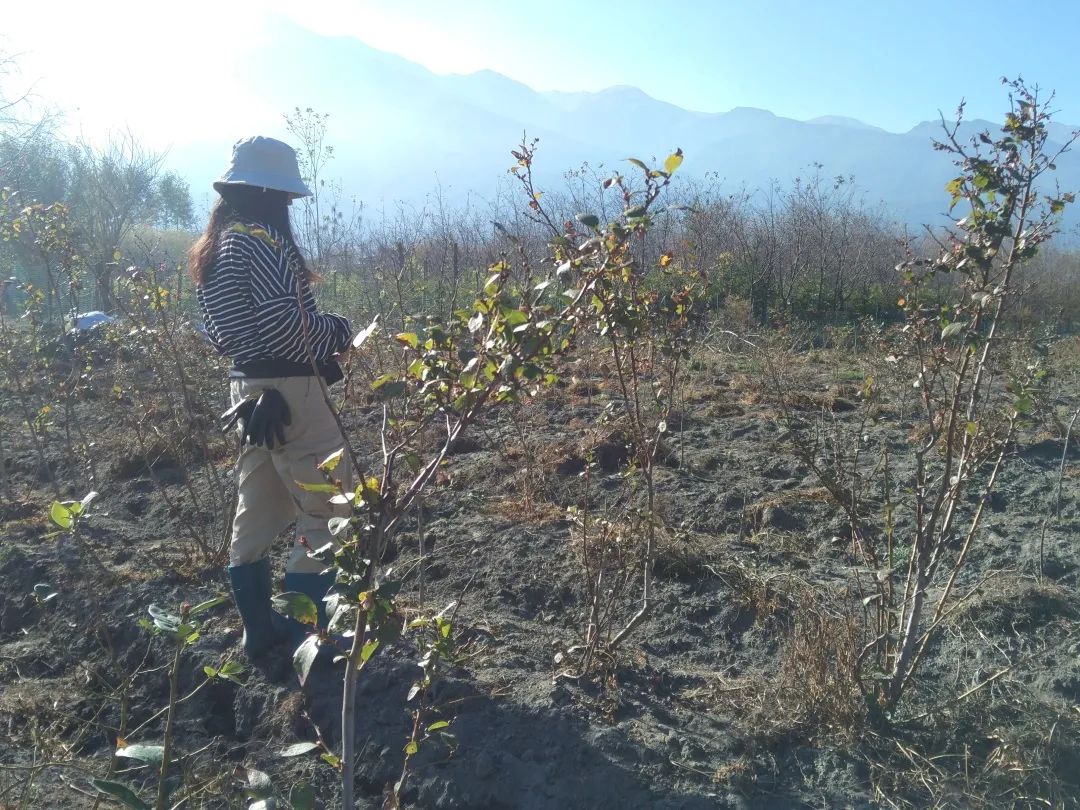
724	410
529	512
812	692
811	495
1008	744
687	555
1006	747
816	682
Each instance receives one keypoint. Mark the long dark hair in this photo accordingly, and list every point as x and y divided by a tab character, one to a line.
248	205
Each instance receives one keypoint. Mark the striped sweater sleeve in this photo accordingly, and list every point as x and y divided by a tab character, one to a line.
276	295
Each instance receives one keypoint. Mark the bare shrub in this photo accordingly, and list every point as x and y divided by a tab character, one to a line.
911	528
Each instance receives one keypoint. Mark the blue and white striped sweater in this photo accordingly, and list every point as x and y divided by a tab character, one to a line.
250	301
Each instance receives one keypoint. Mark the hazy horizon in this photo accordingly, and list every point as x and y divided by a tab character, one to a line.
108	67
425	97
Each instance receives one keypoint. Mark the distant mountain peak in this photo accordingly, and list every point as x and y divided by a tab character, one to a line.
399	129
625	90
492	77
751	111
843	121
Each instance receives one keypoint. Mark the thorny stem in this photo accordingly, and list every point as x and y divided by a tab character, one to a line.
930	546
166	754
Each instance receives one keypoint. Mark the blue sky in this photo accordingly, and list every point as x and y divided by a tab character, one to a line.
891	64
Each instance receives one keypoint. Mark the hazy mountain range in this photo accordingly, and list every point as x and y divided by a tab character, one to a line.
399	131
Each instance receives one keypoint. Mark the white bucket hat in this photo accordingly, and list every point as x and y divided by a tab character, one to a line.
264	162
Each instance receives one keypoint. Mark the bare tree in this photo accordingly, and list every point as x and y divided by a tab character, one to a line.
113	188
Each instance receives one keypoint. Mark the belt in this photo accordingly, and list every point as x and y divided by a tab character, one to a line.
277	367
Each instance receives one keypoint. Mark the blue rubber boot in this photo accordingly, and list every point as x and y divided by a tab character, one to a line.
315	587
264	628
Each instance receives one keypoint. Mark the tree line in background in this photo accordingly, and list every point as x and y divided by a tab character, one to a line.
105	193
812	249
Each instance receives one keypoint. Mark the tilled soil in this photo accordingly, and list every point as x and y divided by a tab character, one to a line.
708	704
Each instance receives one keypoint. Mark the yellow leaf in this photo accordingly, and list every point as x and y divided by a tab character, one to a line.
331	461
665	260
674	160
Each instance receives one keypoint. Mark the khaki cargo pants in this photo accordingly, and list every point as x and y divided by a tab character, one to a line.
269	497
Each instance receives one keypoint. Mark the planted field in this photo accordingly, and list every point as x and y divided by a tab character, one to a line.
734	692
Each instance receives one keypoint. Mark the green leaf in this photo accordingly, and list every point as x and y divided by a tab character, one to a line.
673	161
953	328
588	220
333	760
411	748
634	212
186	633
1024	404
514	317
337	525
120	791
410	339
150	754
305	656
202	607
491	286
389	588
437	725
297	605
382	380
316	487
163	620
229	671
302	796
640	164
368	650
387	387
299	749
61	515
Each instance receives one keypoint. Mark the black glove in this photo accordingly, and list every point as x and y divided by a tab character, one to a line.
240	412
268	419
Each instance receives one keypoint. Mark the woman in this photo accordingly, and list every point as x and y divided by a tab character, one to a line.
255	294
